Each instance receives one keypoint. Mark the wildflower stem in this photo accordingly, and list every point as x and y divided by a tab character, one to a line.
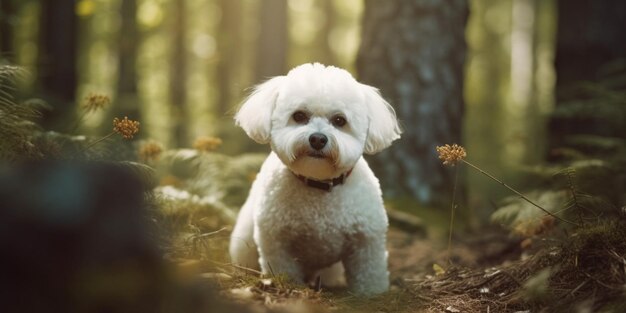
78	121
456	178
517	193
97	141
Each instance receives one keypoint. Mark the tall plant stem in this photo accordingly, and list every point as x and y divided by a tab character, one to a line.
78	121
456	178
518	193
97	141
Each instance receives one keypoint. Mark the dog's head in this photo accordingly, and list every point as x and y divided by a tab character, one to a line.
319	120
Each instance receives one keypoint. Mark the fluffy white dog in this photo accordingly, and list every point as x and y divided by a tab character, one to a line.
316	205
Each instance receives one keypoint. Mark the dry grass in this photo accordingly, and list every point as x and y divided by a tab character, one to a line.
588	269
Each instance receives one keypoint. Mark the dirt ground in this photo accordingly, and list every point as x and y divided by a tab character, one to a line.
413	258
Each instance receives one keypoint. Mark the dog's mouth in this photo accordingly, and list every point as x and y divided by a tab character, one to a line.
317	155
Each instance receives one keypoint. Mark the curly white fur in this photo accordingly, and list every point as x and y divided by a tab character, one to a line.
288	227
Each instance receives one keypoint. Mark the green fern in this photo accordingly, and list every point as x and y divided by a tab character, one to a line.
222	177
16	120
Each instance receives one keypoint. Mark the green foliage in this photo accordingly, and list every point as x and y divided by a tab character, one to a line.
523	217
179	207
145	173
198	198
595	145
592	108
584	191
586	180
209	174
23	139
16	120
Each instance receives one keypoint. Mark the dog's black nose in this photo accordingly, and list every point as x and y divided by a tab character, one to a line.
318	141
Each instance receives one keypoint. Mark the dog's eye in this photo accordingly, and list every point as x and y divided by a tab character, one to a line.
300	117
339	121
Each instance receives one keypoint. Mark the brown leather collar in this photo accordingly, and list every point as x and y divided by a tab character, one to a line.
326	184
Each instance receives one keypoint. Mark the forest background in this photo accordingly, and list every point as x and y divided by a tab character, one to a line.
535	90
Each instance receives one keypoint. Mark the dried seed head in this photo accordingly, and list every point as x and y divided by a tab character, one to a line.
150	151
127	128
206	143
94	102
451	154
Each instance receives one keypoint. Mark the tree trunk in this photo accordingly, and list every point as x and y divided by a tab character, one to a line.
272	42
7	18
414	52
229	40
591	49
57	75
178	75
591	34
324	52
127	77
127	102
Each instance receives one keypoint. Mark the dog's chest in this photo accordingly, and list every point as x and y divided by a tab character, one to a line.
316	247
320	233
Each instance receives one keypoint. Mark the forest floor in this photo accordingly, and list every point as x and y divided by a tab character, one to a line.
485	271
548	266
426	275
417	262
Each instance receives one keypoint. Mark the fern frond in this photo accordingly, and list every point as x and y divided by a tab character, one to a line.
16	121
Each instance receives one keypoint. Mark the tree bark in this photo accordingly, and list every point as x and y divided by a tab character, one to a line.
7	18
57	75
414	51
178	75
127	102
325	53
229	39
590	49
127	77
272	42
591	34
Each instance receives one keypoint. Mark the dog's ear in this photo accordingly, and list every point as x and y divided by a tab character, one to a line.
255	115
383	125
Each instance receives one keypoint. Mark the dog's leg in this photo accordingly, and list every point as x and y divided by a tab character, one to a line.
333	276
243	250
274	259
366	268
279	262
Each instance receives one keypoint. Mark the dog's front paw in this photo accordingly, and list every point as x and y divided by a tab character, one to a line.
370	290
366	269
371	285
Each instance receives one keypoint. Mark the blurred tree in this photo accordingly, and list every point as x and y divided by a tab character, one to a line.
127	77
127	103
57	77
591	35
228	41
178	74
486	90
7	16
272	42
414	52
591	75
323	42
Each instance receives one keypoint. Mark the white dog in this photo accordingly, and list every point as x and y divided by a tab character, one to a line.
316	205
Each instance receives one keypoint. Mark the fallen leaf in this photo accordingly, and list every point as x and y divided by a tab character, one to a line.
242	293
452	309
438	269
